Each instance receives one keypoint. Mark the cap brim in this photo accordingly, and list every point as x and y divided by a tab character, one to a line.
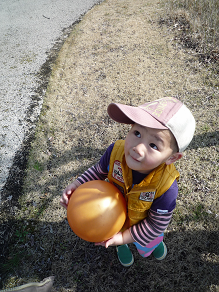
126	114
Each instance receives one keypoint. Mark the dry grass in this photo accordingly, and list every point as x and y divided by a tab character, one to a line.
197	26
118	52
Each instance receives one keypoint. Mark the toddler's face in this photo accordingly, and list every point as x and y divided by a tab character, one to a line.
147	148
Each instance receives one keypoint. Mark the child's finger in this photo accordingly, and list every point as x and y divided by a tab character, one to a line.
102	243
64	198
63	205
109	242
63	202
69	192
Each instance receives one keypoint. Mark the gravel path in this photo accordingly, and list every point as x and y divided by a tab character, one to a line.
30	30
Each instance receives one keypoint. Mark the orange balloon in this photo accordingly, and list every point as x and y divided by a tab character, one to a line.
96	211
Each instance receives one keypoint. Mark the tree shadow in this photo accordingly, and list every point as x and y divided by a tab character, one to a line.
191	264
41	249
14	184
205	140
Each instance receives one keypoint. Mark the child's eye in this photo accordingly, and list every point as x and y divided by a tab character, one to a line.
137	134
152	145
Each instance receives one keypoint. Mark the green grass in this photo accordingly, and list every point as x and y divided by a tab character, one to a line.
21	235
38	166
13	262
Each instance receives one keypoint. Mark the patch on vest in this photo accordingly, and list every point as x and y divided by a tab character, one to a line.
117	171
147	196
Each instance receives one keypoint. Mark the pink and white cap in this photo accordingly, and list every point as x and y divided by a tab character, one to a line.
165	113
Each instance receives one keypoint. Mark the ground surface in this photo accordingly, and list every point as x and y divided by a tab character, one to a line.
118	52
31	34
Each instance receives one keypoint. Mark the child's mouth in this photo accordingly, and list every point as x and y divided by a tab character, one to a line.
134	158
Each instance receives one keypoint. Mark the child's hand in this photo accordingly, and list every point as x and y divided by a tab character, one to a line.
67	194
118	239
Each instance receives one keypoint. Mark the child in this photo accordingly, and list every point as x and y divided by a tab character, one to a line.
142	168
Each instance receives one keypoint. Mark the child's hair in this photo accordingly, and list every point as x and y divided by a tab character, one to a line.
165	113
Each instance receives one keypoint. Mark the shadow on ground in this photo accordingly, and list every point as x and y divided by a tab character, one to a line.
37	252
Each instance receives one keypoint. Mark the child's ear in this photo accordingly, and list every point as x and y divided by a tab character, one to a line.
173	158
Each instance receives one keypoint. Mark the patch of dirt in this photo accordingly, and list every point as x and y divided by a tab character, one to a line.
117	53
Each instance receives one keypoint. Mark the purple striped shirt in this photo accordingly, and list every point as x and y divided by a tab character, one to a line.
160	213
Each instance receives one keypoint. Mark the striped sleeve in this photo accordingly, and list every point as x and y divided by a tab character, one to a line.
93	173
151	227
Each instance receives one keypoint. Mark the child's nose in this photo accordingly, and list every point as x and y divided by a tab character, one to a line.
138	149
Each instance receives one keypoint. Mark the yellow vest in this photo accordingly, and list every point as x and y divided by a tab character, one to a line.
140	197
